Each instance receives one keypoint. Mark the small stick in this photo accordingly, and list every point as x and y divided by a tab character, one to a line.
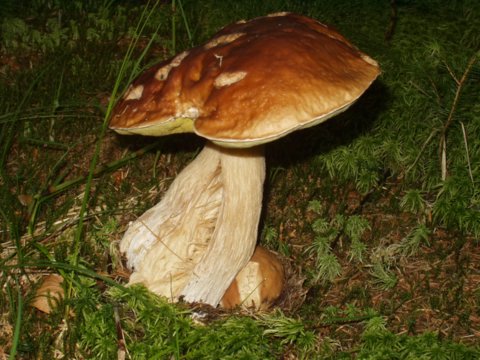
55	189
467	152
393	21
461	83
422	149
443	156
122	349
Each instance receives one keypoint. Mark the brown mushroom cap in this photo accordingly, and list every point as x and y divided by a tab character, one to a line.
258	284
253	83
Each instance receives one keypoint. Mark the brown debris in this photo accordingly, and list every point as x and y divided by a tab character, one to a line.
49	293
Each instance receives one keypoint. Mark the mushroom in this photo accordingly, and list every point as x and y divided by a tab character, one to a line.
258	284
252	83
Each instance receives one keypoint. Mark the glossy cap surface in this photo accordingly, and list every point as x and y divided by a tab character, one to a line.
253	82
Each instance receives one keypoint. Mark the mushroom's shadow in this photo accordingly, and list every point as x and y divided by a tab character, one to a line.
167	144
340	130
308	143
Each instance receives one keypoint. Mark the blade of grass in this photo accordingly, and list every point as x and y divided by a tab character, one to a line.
77	269
142	23
146	14
9	118
56	189
185	23
44	143
55	105
18	323
174	28
7	136
75	253
35	204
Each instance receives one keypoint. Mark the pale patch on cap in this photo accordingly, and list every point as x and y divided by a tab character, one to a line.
280	13
228	78
224	39
191	112
134	93
178	59
163	72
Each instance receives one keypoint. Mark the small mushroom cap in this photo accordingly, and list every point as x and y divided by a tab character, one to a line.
253	82
258	284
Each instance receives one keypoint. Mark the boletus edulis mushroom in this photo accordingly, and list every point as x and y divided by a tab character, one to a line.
252	83
258	284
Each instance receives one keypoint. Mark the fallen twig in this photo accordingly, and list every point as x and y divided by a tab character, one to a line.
460	84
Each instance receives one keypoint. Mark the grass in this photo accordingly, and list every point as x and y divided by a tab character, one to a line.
376	213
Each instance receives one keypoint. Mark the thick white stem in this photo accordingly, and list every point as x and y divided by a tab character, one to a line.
235	235
203	232
164	244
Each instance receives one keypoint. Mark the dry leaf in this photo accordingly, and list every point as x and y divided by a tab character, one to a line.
25	199
49	293
3	356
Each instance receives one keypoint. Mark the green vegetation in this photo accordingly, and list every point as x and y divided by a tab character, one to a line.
376	212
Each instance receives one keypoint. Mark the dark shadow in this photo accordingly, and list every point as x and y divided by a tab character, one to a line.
169	144
340	130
